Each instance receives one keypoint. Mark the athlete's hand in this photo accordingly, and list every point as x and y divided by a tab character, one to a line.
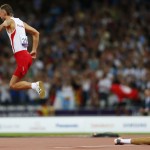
33	54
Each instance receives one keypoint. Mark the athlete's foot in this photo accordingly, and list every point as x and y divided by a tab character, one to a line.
40	89
118	141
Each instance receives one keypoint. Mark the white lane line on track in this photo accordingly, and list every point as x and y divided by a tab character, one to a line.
89	147
63	147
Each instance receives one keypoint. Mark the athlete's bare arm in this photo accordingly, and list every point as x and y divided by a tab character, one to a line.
35	36
5	24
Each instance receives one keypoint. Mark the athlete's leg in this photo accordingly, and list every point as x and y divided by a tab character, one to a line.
16	84
136	141
21	71
139	141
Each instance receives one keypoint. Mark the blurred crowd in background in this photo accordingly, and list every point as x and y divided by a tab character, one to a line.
92	54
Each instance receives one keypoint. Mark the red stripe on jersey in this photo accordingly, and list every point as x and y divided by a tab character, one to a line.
12	39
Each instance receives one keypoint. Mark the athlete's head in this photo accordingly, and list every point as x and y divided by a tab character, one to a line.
5	10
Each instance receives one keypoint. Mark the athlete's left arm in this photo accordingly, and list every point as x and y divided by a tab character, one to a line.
35	36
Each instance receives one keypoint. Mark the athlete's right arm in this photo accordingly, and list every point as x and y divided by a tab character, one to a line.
5	24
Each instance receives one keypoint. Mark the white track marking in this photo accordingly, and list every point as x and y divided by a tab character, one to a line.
66	147
90	147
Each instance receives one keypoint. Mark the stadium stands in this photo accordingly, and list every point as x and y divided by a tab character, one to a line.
86	47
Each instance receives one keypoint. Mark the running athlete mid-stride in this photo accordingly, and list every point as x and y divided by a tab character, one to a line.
16	30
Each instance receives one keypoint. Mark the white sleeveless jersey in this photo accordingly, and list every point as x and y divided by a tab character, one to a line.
18	38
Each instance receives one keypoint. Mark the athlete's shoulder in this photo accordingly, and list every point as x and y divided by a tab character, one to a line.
15	19
7	22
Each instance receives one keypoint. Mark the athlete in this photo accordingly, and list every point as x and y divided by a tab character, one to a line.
136	141
16	30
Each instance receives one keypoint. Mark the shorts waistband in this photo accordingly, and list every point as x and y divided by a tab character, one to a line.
20	52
